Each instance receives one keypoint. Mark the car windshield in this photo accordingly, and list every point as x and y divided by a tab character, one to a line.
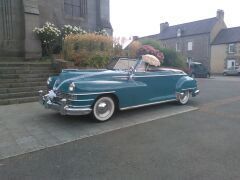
121	64
200	67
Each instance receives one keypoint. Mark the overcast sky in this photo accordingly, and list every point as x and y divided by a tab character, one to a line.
139	17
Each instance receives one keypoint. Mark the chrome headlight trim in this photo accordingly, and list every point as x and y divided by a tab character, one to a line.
49	80
71	87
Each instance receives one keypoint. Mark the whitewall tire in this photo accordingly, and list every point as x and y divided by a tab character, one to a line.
103	109
183	98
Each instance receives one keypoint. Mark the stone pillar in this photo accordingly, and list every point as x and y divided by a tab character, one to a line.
32	45
103	16
11	28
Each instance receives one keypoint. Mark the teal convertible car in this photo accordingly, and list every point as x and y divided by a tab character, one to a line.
125	84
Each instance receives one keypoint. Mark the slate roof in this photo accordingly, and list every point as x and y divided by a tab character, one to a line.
188	29
226	36
154	36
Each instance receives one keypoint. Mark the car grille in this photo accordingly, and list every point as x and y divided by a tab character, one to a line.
60	95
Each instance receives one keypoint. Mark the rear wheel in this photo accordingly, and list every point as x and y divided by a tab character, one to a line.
184	97
103	109
224	74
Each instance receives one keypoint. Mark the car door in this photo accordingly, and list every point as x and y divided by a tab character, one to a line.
164	85
158	86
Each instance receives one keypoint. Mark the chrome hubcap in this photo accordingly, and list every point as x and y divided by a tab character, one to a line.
184	97
104	108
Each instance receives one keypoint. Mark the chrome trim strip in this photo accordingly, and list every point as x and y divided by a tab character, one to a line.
87	106
188	89
142	105
96	93
161	75
120	76
84	100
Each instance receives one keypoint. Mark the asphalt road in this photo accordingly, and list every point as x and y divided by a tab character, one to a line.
202	144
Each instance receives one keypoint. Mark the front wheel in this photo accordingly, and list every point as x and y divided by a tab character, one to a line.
103	109
184	97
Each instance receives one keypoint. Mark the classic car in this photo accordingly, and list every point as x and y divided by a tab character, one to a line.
125	84
232	71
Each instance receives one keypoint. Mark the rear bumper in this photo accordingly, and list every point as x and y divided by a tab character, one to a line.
195	92
62	107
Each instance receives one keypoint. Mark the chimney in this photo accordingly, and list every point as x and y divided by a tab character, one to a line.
163	26
220	14
134	38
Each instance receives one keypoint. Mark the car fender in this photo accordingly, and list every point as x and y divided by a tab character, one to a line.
186	83
52	82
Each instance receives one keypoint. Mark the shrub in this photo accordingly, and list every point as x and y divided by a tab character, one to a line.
68	29
102	32
147	49
49	35
88	50
171	57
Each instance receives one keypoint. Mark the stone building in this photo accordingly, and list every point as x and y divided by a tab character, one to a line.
19	17
226	50
193	40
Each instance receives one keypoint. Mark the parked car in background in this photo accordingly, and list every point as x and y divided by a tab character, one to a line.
233	71
126	84
198	70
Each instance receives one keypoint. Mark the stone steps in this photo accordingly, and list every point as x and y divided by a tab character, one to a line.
21	89
24	65
23	84
4	68
18	100
18	95
12	59
20	76
21	81
25	71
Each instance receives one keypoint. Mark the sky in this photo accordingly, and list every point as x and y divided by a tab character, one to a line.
142	18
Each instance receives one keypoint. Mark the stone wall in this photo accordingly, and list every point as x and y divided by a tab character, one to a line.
19	17
200	51
218	57
11	28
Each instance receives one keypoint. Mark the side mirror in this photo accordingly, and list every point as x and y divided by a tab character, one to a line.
131	72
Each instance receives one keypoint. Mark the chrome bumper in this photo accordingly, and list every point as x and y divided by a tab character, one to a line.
63	108
195	93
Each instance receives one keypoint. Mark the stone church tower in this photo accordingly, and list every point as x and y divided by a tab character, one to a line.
19	17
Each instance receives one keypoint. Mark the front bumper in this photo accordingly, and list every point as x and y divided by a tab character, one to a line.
62	107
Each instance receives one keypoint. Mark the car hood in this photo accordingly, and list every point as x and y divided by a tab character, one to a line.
66	77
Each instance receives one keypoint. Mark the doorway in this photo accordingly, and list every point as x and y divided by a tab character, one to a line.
231	64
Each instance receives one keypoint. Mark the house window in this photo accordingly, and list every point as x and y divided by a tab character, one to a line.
190	46
75	8
231	48
178	47
179	32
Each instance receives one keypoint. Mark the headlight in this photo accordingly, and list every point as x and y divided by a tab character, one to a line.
71	87
49	80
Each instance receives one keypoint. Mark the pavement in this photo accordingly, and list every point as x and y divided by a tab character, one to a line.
29	127
157	142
